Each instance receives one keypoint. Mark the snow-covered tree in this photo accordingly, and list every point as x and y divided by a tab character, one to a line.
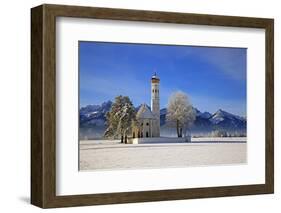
112	119
180	112
120	118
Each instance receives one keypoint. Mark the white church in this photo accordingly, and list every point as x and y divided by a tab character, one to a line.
148	128
149	119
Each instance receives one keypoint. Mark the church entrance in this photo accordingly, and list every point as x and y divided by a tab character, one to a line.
147	134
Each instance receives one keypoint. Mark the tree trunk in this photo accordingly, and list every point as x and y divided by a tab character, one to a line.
122	139
178	129
181	132
186	132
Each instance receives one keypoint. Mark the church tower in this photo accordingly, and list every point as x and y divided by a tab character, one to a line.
155	103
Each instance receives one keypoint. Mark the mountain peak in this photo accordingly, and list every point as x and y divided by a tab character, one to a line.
221	115
202	114
221	111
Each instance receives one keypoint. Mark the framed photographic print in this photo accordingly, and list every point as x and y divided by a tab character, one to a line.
136	106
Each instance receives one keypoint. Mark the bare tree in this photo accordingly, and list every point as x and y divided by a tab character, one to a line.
180	112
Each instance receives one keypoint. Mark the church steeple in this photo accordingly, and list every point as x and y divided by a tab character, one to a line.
155	101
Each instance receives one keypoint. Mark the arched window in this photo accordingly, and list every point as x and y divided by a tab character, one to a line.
147	124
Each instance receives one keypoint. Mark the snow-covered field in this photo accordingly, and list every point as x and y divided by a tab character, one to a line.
108	155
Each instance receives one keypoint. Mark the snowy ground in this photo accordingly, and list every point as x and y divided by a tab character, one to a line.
108	155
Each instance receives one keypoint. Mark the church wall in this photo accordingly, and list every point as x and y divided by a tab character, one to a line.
145	130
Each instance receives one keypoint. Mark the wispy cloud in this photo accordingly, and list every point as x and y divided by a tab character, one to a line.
102	83
230	61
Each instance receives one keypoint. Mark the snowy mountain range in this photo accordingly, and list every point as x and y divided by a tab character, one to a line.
93	116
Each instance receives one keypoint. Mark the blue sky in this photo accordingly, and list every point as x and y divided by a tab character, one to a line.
213	77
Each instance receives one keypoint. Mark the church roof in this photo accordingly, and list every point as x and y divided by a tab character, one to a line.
155	77
145	113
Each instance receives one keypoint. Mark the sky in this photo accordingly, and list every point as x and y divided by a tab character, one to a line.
212	77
